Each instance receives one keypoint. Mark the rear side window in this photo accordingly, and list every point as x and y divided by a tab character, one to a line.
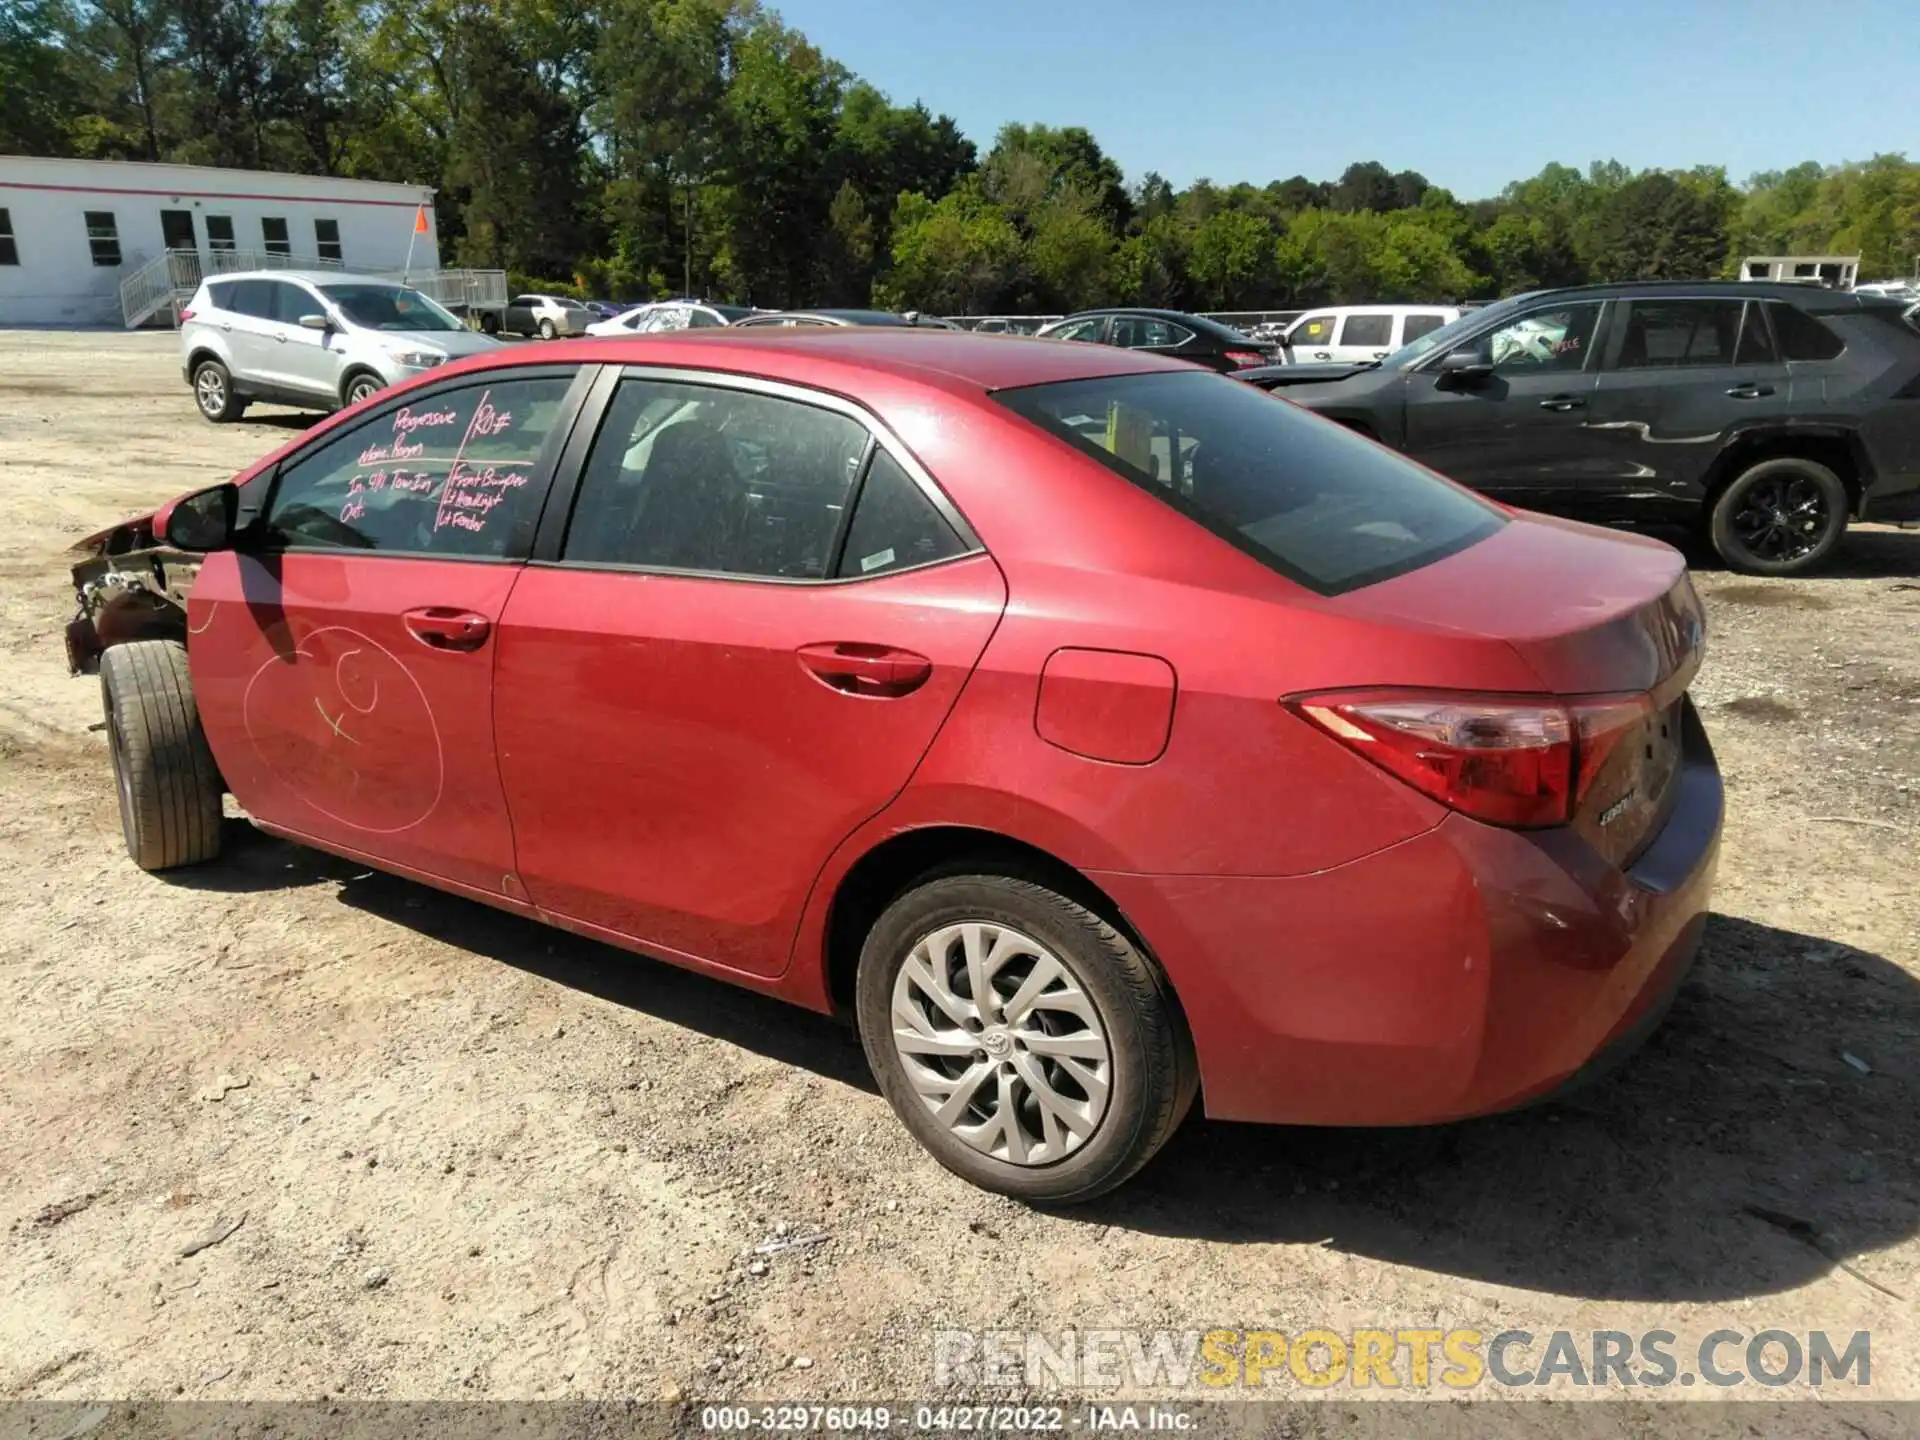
255	298
1418	325
1306	497
895	525
451	473
1756	344
1801	336
220	292
1371	330
728	482
1135	332
1673	334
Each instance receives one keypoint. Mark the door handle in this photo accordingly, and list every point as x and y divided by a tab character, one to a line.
1323	354
1560	404
874	670
441	628
1750	390
281	336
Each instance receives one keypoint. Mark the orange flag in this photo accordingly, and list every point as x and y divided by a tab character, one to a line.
420	221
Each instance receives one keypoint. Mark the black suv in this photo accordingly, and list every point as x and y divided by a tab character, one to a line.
1765	414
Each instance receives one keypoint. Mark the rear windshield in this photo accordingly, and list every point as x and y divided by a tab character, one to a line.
1323	506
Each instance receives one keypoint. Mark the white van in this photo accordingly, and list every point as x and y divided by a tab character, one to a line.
1349	334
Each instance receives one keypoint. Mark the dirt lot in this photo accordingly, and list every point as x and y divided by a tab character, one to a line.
469	1157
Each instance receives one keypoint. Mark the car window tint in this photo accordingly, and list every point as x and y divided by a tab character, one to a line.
1373	331
704	319
1314	330
695	477
1418	325
254	298
1672	334
1756	344
1801	336
449	473
290	302
894	524
221	293
1139	331
1306	497
1545	341
1080	329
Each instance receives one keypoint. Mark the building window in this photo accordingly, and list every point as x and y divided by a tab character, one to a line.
273	230
326	238
219	232
103	237
9	252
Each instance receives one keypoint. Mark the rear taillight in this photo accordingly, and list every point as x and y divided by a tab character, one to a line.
187	313
1505	760
1245	359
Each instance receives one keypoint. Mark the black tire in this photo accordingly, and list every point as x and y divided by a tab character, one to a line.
1780	517
360	385
489	323
213	393
168	785
546	330
1151	1067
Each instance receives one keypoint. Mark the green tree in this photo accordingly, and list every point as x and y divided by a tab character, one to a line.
1232	261
1659	227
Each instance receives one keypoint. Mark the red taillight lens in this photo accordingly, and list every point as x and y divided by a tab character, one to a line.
1245	359
1504	760
186	313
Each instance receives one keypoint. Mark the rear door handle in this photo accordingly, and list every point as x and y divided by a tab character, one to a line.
1750	390
880	671
439	627
1562	403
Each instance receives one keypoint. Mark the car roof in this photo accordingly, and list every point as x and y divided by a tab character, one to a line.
835	358
1393	309
1807	297
312	277
1179	317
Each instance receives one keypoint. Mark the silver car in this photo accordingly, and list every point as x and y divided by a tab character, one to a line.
315	339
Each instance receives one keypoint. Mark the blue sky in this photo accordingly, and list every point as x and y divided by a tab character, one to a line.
1471	94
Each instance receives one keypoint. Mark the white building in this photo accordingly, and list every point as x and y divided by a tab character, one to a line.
72	230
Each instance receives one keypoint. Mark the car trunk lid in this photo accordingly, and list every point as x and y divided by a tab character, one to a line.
1608	623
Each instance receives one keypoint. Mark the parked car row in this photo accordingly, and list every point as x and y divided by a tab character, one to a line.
1018	777
1764	415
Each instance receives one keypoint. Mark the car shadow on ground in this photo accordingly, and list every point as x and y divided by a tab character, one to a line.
1741	1153
1879	552
251	861
283	419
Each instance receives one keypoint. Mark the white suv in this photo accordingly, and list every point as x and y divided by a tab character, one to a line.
1350	334
315	339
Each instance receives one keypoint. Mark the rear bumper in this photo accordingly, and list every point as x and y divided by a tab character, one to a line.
1462	972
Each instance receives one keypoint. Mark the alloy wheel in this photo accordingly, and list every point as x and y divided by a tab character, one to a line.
360	390
1002	1042
1781	517
211	390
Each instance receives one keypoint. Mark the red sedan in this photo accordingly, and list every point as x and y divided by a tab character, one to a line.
1095	731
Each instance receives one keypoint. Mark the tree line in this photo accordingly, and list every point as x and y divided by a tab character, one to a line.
636	148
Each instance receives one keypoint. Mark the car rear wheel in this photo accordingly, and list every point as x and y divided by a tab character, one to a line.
1024	1041
1780	517
489	323
546	329
213	392
360	386
168	785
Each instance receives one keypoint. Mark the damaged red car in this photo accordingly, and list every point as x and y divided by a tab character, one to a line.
1097	733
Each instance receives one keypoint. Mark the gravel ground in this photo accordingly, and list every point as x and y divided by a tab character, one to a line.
433	1151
